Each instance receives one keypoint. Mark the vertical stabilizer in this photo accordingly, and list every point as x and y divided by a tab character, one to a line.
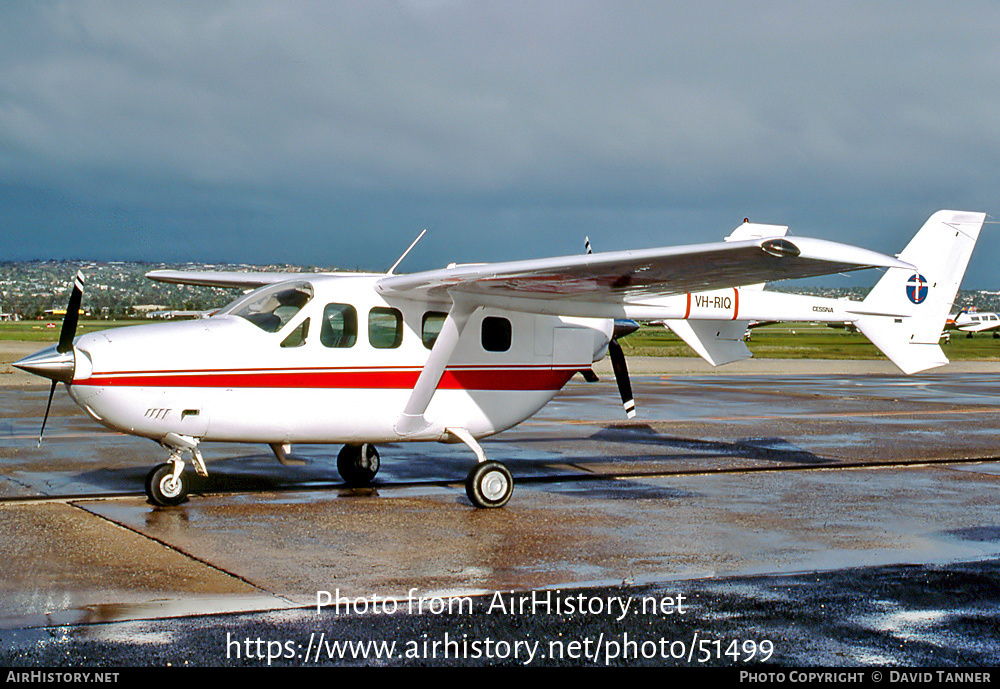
921	300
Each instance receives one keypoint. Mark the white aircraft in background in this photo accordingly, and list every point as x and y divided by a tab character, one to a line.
971	321
464	352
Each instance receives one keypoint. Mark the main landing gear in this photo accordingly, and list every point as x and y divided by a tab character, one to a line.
358	464
488	485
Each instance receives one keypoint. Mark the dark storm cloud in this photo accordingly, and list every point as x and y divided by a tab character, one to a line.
332	133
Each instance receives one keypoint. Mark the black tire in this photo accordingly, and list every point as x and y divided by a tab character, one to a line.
489	485
358	464
159	489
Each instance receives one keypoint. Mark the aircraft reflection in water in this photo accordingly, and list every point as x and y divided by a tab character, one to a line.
461	353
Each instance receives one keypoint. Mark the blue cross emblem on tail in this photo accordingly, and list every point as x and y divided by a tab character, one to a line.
916	289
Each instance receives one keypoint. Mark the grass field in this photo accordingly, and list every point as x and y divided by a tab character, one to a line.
783	341
806	341
48	331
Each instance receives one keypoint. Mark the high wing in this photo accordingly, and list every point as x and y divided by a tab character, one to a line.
602	285
219	279
599	284
207	278
595	284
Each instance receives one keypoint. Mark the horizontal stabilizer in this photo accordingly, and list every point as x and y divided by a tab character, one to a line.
893	339
717	342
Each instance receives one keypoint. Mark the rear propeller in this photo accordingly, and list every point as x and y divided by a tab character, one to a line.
623	327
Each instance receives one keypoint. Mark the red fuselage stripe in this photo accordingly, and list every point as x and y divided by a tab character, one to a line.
482	379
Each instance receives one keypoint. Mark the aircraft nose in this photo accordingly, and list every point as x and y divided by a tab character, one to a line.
50	363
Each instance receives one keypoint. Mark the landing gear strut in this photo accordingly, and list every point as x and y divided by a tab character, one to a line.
358	464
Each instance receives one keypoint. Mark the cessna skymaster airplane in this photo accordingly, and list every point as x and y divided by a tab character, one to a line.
461	353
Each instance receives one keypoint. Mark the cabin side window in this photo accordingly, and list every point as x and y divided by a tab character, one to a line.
431	327
297	337
496	334
385	328
340	326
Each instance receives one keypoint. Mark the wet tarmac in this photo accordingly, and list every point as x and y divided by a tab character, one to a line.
846	520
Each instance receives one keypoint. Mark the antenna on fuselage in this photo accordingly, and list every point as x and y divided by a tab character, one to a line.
400	260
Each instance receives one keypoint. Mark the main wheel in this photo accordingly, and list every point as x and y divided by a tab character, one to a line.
358	464
489	484
162	489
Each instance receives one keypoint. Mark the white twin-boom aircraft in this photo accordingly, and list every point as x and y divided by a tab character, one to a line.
462	353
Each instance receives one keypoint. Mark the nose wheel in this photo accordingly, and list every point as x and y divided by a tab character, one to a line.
166	484
165	489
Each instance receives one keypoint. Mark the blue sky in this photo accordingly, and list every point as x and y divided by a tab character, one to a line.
331	133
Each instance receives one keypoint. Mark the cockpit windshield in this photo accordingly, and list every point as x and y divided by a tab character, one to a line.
271	307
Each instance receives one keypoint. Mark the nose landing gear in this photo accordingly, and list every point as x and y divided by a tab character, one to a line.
165	489
166	485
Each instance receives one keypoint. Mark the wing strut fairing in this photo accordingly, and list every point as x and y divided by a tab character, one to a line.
412	418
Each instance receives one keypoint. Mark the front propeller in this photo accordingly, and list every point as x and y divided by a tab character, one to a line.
58	363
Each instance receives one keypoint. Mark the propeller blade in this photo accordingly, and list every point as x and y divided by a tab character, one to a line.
621	377
52	365
68	331
48	406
